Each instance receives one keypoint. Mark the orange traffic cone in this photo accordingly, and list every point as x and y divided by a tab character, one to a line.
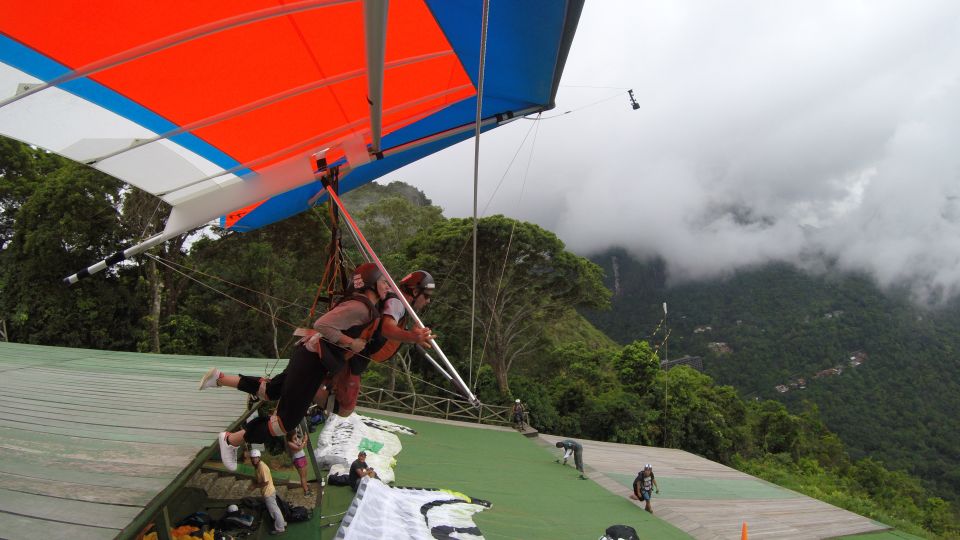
743	531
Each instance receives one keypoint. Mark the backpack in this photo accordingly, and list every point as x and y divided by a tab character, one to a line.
339	479
255	504
621	532
297	514
196	519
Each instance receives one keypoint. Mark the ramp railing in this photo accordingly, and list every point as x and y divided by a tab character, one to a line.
434	406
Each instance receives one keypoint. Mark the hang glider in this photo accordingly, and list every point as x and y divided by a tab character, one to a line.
228	108
246	109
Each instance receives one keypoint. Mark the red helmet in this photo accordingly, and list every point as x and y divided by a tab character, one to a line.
366	276
417	282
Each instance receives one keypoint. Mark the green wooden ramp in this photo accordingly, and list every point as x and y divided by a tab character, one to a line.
89	438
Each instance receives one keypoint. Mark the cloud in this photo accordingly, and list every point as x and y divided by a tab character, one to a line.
768	131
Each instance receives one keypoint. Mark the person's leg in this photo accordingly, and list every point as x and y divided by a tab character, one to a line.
578	460
305	372
301	464
267	389
303	376
323	394
279	524
262	387
646	498
347	388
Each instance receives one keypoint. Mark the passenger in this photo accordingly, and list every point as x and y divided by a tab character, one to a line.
337	335
417	289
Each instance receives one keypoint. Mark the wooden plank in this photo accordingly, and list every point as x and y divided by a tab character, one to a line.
132	452
130	393
16	527
112	420
29	470
88	462
38	419
66	511
158	437
158	392
52	405
126	496
90	437
227	405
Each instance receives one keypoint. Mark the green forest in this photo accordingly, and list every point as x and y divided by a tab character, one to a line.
216	292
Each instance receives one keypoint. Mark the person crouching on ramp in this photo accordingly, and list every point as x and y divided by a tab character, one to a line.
575	448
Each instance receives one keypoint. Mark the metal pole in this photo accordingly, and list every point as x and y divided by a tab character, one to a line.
119	257
666	387
313	460
457	381
434	362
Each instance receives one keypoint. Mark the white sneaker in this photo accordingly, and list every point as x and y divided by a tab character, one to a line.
228	453
210	379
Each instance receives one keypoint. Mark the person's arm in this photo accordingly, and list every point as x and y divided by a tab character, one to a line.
655	484
346	315
394	332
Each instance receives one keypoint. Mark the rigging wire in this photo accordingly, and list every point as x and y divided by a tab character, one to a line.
476	172
598	87
506	255
149	223
225	281
538	119
419	379
510	165
506	171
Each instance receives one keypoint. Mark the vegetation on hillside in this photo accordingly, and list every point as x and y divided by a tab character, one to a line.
896	397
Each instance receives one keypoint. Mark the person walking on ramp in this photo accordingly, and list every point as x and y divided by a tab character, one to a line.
576	449
644	485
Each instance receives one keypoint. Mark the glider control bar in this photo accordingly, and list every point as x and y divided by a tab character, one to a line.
429	358
456	380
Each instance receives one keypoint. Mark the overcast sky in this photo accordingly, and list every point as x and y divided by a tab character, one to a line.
784	131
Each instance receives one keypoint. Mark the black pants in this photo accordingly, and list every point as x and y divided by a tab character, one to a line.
294	387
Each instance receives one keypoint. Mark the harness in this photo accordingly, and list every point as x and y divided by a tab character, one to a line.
379	348
360	331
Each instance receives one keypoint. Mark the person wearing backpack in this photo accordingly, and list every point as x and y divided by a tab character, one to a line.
336	336
643	485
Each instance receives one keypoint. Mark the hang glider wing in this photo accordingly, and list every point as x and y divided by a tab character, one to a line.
222	107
